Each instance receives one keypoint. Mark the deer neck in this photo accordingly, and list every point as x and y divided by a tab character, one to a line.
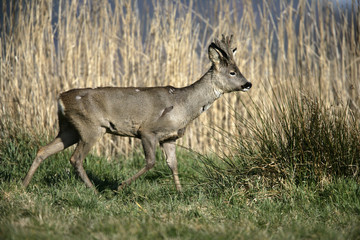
201	94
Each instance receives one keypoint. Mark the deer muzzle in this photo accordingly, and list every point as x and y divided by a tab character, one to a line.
246	87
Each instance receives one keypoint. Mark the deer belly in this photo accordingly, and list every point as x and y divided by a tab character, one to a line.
127	128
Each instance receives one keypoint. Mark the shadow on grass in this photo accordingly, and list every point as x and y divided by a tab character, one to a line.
102	184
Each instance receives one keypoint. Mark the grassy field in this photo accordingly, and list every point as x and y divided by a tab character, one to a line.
248	193
279	162
57	205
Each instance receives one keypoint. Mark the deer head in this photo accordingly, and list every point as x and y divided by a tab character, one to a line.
227	76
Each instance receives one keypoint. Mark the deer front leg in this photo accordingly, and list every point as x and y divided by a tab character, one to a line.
149	144
170	155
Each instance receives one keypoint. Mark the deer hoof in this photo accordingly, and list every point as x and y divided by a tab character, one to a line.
122	186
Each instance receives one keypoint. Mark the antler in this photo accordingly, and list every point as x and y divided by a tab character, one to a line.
225	45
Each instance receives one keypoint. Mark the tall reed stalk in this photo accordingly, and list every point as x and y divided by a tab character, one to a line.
51	46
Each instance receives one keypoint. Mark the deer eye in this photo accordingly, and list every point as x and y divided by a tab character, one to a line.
232	73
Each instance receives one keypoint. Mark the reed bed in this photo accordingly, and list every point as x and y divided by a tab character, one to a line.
303	48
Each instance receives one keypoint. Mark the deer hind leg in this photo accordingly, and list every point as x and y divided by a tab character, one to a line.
149	144
81	150
64	139
170	155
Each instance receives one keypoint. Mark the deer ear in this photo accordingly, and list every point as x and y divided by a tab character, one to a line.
215	54
234	51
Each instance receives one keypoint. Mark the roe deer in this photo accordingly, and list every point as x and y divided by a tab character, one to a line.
152	114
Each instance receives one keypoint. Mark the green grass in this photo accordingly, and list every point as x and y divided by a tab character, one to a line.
57	204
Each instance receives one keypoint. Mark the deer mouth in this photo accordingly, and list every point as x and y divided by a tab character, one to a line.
246	87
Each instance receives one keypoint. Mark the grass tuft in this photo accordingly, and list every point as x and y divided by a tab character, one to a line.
302	140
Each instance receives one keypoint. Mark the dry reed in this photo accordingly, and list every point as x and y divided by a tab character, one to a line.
49	47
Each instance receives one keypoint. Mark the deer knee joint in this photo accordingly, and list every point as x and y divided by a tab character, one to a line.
150	164
73	161
171	162
40	155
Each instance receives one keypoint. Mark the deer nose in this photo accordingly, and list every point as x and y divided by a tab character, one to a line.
246	86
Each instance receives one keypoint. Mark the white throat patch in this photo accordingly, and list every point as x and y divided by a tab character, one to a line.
217	92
